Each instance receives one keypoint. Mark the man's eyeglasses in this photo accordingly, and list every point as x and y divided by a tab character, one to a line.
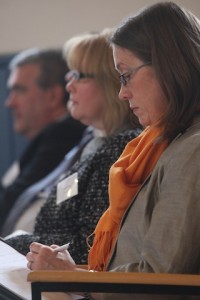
124	78
76	75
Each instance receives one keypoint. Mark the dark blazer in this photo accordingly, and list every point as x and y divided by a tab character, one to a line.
41	156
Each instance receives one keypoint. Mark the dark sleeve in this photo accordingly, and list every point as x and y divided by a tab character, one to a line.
75	219
42	156
53	145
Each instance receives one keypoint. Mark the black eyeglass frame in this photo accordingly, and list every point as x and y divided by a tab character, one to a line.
124	78
77	75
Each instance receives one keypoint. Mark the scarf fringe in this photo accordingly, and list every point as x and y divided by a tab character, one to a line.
98	260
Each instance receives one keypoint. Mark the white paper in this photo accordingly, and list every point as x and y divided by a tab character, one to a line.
14	272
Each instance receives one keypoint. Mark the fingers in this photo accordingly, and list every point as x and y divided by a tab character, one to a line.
54	246
46	258
37	247
40	251
39	257
29	265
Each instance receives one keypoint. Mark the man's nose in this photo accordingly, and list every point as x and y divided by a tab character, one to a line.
10	100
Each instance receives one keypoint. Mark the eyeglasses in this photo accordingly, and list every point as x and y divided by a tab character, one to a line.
124	78
76	75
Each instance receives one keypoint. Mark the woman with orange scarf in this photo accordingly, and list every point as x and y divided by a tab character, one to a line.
126	177
152	223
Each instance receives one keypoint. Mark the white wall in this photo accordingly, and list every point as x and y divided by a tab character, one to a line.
49	23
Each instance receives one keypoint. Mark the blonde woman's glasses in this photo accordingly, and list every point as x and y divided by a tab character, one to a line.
76	75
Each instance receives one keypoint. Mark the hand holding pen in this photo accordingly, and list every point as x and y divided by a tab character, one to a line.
42	257
60	250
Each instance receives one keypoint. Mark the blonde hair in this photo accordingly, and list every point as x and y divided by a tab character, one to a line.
91	53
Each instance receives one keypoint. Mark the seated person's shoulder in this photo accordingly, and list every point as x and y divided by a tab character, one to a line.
66	126
115	144
122	138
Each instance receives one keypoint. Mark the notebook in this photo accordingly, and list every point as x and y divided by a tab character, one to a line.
13	277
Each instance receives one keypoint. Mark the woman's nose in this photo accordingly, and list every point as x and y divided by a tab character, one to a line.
70	85
124	93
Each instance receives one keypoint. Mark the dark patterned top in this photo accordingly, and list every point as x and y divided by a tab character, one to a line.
75	219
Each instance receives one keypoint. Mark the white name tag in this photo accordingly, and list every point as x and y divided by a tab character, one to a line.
67	188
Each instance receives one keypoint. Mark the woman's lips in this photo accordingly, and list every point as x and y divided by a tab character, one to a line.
134	109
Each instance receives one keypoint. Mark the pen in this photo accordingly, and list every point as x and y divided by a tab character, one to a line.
61	248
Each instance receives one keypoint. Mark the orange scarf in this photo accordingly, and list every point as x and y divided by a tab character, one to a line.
125	178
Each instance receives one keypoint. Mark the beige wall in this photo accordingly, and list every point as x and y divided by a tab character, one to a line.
48	23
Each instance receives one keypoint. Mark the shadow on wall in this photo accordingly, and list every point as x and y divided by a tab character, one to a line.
11	144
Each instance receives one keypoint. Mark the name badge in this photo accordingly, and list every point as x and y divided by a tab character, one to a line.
67	188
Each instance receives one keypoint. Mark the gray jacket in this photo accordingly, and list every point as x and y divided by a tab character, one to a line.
160	231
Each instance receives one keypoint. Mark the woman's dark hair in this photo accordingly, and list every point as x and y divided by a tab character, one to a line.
168	36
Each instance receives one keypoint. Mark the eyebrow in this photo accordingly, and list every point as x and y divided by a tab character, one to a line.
117	67
16	87
120	65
